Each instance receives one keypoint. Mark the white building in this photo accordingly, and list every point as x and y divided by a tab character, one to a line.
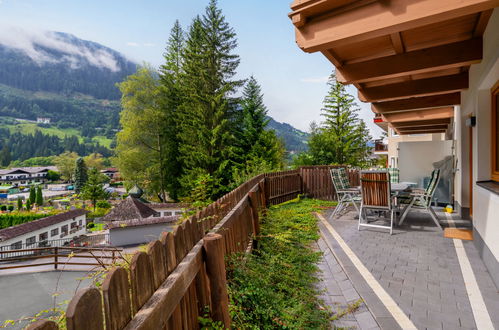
25	175
43	120
39	233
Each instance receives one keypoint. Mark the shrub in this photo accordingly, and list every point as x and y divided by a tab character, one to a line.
10	208
275	287
90	225
3	207
103	204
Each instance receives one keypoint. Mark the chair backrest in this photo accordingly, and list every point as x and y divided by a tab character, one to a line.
432	185
376	189
394	174
340	179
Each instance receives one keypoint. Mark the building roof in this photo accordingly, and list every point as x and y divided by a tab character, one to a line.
28	227
142	222
168	205
31	170
109	169
409	59
130	209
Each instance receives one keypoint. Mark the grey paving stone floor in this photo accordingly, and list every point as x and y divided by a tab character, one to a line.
420	270
24	295
339	294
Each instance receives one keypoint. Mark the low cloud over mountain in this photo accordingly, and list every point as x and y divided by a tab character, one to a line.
54	47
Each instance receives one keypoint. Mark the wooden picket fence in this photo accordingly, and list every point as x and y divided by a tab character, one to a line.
181	276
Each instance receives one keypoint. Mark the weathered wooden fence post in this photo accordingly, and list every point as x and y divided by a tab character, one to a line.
43	325
56	252
215	269
85	311
253	198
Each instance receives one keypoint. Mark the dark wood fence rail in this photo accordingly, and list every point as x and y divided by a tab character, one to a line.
182	274
58	256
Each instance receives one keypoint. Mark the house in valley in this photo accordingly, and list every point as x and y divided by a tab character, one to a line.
40	232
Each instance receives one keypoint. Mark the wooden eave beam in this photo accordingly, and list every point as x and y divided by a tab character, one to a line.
433	101
414	88
419	115
380	18
432	122
421	131
419	128
458	54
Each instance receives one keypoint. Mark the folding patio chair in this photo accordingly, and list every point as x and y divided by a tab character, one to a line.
376	195
394	174
422	199
346	194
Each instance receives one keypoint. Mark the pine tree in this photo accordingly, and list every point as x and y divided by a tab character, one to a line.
207	113
28	205
39	196
19	204
171	99
5	156
93	189
80	174
257	143
342	138
32	195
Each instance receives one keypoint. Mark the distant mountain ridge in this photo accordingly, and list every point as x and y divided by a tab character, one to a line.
73	82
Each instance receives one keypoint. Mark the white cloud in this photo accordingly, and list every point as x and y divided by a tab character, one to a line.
30	42
315	80
132	44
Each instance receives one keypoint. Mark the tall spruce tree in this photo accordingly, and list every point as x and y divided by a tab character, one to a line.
208	109
171	99
80	175
342	138
93	189
258	143
39	196
32	195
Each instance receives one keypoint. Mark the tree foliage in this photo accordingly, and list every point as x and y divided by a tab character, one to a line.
93	189
80	174
342	138
65	163
139	147
185	127
39	196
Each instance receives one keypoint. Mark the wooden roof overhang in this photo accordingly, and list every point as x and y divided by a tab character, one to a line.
409	58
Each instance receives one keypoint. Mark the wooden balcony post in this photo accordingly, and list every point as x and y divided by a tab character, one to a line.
215	269
56	253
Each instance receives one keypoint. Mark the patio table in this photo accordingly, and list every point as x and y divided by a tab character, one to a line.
399	187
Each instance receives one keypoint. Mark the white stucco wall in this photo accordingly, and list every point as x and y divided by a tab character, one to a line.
48	229
476	101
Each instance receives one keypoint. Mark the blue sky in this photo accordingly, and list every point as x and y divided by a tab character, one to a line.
294	82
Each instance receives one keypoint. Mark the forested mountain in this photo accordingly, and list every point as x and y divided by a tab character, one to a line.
72	82
61	63
56	75
294	139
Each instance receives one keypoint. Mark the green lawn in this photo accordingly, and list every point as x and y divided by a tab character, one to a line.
30	128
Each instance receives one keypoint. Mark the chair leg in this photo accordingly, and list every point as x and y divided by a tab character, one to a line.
354	204
434	217
391	221
360	217
406	210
